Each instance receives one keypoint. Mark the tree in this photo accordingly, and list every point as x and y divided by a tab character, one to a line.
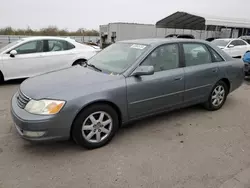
48	31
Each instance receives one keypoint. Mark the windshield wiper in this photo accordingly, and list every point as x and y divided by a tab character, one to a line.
93	66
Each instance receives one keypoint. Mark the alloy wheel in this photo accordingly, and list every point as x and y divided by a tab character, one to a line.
218	95
97	126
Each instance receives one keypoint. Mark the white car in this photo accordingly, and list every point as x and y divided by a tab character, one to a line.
33	56
234	47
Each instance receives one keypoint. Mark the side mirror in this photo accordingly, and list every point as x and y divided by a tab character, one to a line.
230	46
13	53
143	70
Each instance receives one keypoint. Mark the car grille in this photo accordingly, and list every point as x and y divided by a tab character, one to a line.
22	99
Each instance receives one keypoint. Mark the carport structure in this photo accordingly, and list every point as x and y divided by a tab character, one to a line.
184	20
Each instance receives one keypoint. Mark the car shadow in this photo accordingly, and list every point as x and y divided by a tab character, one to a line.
50	148
12	82
158	122
247	80
164	116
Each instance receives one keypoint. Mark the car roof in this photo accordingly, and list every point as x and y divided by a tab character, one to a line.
158	41
245	37
226	39
47	37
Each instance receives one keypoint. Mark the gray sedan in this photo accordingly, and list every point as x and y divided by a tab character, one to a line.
126	81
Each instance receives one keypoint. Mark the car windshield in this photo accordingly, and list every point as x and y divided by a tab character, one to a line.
118	57
9	45
220	42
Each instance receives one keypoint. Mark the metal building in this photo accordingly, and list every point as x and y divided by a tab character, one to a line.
113	32
201	27
184	20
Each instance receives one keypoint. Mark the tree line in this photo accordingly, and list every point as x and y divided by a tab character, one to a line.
49	31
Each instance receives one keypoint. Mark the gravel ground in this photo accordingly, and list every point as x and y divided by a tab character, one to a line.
189	148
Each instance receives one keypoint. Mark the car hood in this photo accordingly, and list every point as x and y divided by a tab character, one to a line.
50	84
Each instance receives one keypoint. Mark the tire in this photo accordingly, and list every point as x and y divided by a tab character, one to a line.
79	62
247	73
94	133
221	98
1	78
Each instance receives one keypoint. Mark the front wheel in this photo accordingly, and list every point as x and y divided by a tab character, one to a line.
1	78
217	97
79	62
95	126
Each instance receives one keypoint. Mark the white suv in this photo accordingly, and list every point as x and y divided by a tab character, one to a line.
37	55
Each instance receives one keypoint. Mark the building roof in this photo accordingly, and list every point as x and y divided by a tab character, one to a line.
131	23
185	20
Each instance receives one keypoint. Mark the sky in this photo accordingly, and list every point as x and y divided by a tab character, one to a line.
74	14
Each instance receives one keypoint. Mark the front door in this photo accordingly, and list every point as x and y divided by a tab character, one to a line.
201	71
28	61
164	89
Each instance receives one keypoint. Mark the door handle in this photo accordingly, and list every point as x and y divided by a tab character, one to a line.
178	78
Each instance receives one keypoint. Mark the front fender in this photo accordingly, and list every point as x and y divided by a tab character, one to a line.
2	66
116	97
85	55
111	91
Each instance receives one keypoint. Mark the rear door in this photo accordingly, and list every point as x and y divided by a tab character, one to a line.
58	54
201	72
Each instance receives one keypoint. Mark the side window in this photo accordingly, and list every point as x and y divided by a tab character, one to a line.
234	42
196	54
165	57
238	43
30	47
215	56
56	45
241	43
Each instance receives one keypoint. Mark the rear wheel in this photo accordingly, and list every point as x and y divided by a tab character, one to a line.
217	97
79	62
95	126
1	78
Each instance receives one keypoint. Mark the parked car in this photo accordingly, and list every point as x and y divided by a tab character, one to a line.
236	48
246	60
245	38
37	55
149	76
184	36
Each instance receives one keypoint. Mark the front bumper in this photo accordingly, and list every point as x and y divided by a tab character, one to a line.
39	127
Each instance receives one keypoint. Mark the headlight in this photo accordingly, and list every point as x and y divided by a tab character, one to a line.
45	107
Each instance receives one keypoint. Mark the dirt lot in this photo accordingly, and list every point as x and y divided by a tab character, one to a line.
190	148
